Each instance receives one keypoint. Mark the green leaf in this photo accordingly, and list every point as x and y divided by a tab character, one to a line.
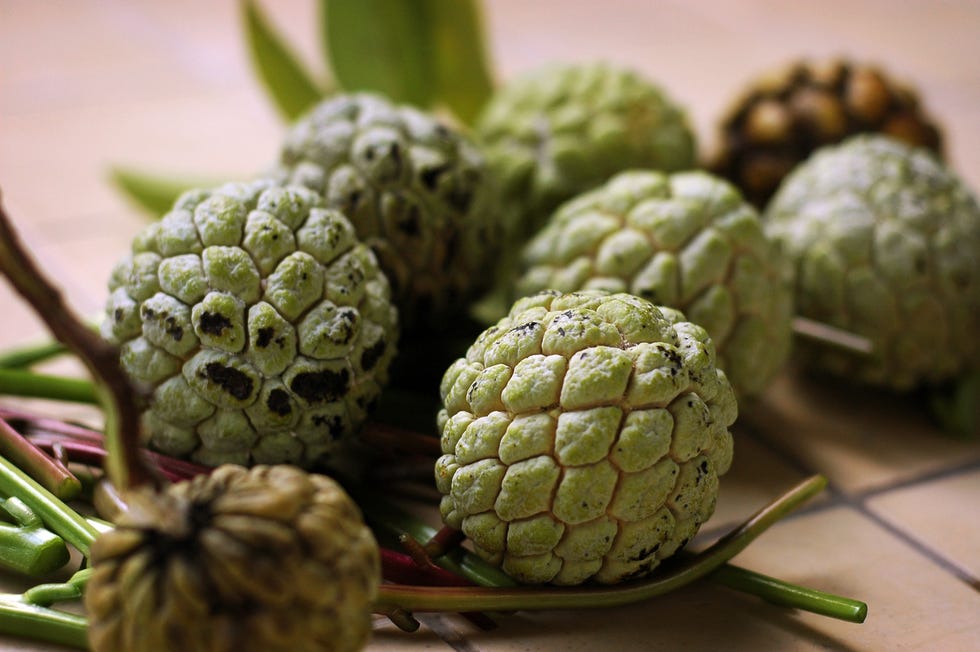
290	86
382	46
463	79
152	192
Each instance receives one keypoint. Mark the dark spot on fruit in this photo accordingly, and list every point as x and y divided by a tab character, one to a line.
372	354
641	571
118	315
526	327
213	323
264	336
278	402
333	425
561	331
644	554
173	329
317	386
430	177
409	225
233	381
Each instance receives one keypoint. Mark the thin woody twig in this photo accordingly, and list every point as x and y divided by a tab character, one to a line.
116	393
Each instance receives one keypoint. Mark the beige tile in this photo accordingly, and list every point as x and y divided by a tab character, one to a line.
859	438
386	636
55	165
914	605
942	514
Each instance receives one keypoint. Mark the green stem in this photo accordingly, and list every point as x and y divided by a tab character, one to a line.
30	354
790	595
19	618
51	474
20	382
28	547
59	517
395	521
482	599
44	595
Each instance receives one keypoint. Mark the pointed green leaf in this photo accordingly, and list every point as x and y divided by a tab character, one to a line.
380	45
463	79
153	192
290	86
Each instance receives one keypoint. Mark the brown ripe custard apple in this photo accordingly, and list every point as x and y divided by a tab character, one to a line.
562	129
417	192
686	240
583	437
268	559
785	115
885	243
263	327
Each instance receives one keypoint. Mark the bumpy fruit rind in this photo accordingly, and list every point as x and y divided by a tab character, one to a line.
260	324
583	437
686	240
883	240
417	192
268	559
562	129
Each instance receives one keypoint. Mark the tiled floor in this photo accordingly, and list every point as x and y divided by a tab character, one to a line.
167	86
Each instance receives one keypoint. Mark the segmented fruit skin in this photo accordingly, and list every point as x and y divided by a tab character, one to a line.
268	559
784	115
562	129
417	192
261	327
583	437
685	240
883	241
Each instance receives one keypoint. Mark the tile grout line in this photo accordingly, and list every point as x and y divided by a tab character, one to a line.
919	546
857	502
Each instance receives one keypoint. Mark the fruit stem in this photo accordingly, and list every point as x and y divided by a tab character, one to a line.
59	517
50	473
30	354
20	618
782	593
21	382
827	334
29	615
692	568
115	392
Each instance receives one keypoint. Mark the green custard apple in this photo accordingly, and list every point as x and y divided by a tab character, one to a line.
685	240
260	324
417	192
583	437
885	242
562	129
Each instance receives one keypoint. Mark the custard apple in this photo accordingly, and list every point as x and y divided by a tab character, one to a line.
562	129
417	192
785	115
685	240
268	559
583	437
262	326
885	243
